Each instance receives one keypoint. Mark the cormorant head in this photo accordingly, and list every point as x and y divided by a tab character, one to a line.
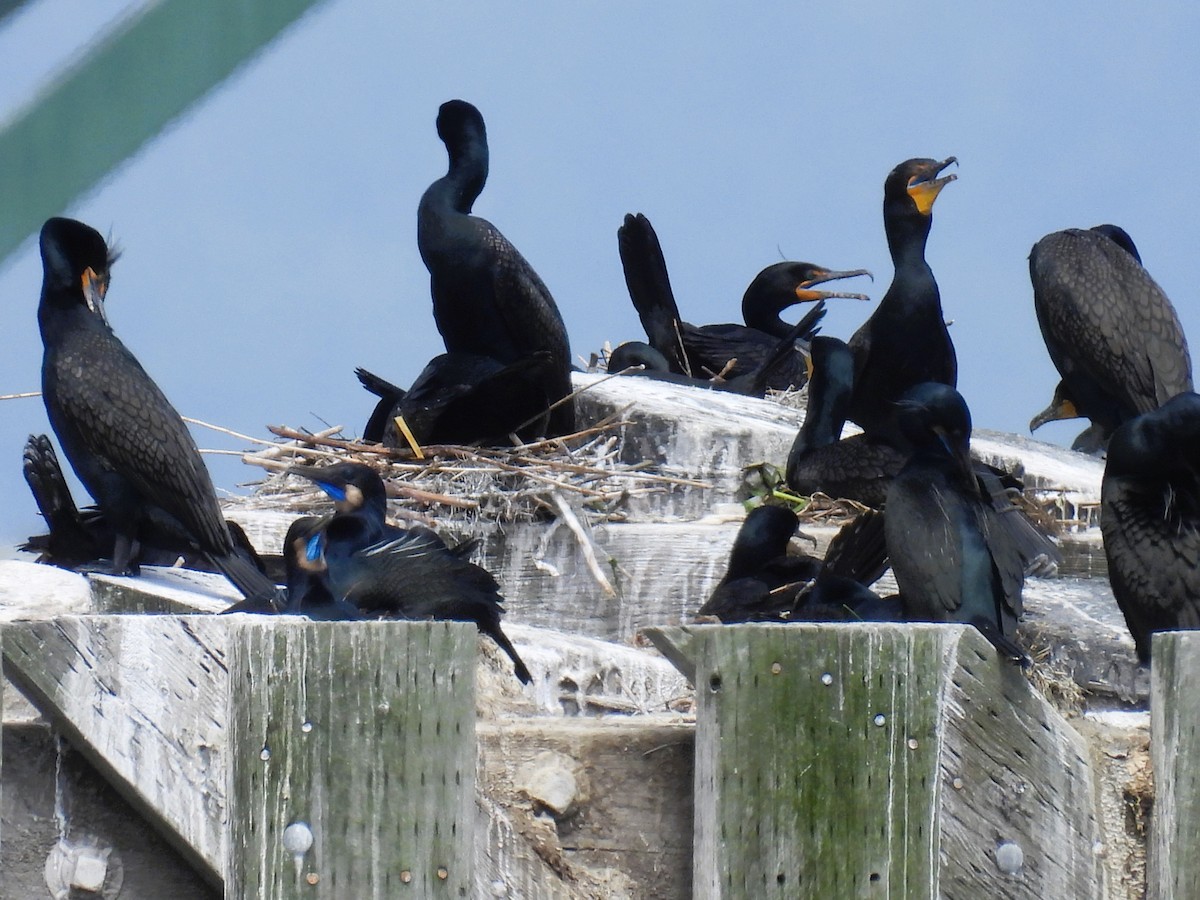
637	353
1162	442
76	263
1062	406
459	122
303	548
915	182
783	284
934	416
352	486
1120	237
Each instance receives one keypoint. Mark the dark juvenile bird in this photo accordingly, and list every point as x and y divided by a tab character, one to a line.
905	341
707	350
462	398
1110	330
487	300
764	583
953	553
1150	519
859	467
409	573
125	441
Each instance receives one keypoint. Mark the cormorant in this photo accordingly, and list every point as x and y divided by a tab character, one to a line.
408	573
126	443
764	583
1111	332
905	340
487	300
462	398
752	383
952	553
857	468
1150	519
707	350
77	537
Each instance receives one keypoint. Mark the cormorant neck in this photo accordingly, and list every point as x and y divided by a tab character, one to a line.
761	313
464	181
906	237
828	407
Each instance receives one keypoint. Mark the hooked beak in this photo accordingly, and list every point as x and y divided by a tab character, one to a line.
925	187
804	292
94	289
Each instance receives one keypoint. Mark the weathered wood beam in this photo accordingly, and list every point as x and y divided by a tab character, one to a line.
143	699
1174	867
845	760
120	96
360	737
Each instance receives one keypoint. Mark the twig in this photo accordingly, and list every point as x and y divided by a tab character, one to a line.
20	396
585	543
230	432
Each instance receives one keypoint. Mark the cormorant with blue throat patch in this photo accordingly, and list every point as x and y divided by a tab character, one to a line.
407	573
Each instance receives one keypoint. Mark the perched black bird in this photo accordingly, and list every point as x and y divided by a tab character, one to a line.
408	573
764	583
708	350
752	383
953	553
126	443
859	467
905	341
76	538
487	300
462	398
1111	332
1150	519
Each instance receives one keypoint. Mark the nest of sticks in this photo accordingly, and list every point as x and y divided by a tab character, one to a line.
456	486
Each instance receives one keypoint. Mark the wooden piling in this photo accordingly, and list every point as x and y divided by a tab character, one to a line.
351	760
879	761
1174	869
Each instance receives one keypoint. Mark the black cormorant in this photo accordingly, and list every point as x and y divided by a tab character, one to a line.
707	350
487	300
905	341
385	570
126	443
1150	519
764	583
857	468
76	537
1110	330
752	383
953	557
462	398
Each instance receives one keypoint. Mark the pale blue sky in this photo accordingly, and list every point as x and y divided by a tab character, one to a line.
270	236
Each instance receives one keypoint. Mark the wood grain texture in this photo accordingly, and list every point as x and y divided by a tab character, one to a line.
143	699
366	733
880	761
1174	867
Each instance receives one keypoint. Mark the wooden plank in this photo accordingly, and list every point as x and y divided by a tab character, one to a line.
881	760
601	797
364	734
1174	868
143	699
